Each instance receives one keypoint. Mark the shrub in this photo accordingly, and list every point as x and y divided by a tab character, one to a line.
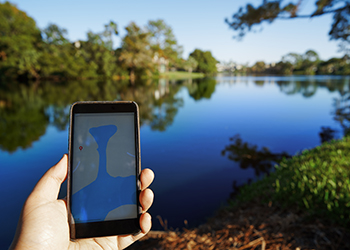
317	180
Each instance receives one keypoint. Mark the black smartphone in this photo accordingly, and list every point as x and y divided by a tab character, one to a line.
104	167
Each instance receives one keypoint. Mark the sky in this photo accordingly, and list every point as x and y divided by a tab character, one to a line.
195	23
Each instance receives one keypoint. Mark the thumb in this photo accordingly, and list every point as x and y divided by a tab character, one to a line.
49	185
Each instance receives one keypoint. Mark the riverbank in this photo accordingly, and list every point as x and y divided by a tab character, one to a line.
304	204
179	75
172	75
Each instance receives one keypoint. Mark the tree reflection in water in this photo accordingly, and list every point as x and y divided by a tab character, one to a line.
26	110
165	105
342	111
22	118
327	134
250	156
201	88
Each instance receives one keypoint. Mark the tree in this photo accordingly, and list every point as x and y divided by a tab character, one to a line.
293	58
270	10
19	41
135	51
60	58
284	68
311	56
206	62
56	53
306	63
161	35
259	67
190	64
336	66
163	41
310	62
110	29
98	50
55	35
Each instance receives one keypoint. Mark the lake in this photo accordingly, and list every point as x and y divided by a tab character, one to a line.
200	137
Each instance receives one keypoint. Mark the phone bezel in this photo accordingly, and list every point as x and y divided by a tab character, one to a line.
113	227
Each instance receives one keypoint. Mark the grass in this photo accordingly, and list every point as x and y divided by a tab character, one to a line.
317	181
177	75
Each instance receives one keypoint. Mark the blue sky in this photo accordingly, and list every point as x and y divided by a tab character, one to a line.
196	24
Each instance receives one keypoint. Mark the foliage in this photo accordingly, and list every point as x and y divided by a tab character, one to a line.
190	64
135	53
284	68
60	58
334	66
98	49
163	42
258	67
318	180
206	61
27	52
19	43
308	63
269	10
55	35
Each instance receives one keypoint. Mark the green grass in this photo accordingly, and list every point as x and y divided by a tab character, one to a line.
177	75
317	181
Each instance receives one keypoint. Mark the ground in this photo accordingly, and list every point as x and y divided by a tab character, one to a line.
253	226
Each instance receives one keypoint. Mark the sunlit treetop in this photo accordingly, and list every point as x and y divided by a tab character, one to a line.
249	16
16	22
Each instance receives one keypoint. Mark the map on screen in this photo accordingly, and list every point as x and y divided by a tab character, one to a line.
104	182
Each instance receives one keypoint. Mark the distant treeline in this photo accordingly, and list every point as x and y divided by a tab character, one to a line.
26	52
308	63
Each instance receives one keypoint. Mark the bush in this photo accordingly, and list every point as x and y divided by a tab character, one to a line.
317	180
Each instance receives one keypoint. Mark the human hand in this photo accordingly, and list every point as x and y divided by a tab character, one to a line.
43	223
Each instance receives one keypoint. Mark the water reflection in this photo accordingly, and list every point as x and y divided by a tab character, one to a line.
201	88
22	117
290	85
307	89
308	86
165	105
327	134
195	117
342	110
250	156
26	110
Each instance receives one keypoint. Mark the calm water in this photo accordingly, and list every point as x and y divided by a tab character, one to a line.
186	134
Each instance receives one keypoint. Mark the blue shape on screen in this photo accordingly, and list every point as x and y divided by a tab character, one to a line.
96	200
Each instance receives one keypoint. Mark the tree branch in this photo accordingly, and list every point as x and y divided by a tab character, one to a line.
315	14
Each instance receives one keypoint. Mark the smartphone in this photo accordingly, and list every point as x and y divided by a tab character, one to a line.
104	167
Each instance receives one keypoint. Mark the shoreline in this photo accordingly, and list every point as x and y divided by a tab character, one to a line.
268	218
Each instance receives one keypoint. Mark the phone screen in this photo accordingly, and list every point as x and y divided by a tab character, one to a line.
103	171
